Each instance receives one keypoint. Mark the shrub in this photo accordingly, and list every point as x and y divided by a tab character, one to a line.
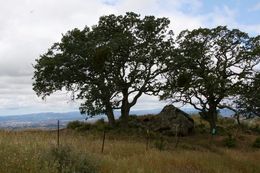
255	128
84	127
256	143
226	121
64	160
201	128
74	124
160	143
78	125
100	125
230	141
133	121
222	130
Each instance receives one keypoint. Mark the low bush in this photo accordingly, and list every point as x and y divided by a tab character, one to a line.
220	130
64	160
229	141
255	128
256	143
160	143
74	124
78	125
226	121
201	129
100	125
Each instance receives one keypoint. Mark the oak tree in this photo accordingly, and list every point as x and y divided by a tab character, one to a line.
248	103
109	65
211	67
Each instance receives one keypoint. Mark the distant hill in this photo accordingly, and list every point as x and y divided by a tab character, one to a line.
38	120
48	120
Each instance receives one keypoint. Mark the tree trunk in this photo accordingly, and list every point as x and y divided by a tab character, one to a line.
212	119
111	117
108	108
125	114
125	108
238	120
110	113
212	125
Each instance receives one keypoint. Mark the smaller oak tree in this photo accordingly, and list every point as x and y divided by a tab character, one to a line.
211	67
248	103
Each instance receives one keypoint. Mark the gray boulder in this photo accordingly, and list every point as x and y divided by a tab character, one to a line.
172	119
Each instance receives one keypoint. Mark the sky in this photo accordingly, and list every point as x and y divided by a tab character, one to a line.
29	27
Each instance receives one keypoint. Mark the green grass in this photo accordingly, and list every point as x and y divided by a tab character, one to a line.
32	151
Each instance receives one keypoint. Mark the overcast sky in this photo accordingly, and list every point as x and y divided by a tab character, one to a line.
29	27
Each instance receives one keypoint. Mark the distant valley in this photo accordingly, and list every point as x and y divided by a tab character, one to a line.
48	120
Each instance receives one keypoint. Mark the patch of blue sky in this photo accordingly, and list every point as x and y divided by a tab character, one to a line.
246	12
110	2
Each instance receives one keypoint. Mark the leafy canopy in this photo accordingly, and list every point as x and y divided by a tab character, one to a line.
211	67
248	103
109	65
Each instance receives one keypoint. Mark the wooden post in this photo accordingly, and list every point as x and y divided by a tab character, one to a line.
147	139
176	136
213	133
58	133
103	142
211	140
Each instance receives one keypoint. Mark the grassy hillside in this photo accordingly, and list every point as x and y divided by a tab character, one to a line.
35	151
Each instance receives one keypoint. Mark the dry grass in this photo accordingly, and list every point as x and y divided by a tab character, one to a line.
22	152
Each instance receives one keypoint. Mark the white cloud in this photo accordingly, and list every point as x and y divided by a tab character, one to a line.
255	29
228	16
221	16
29	27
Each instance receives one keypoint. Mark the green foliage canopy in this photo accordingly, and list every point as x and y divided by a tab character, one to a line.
248	103
109	65
212	66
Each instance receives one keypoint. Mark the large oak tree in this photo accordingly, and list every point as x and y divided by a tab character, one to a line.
109	65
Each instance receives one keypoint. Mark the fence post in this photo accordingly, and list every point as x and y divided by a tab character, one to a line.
176	136
147	139
103	142
58	133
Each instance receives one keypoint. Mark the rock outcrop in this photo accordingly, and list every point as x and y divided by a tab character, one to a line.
169	121
172	119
